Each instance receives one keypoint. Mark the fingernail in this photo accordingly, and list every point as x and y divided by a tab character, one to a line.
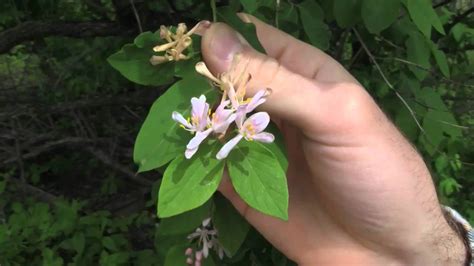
225	43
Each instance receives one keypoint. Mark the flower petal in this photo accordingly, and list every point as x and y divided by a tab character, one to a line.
205	249
202	69
264	137
163	47
222	126
240	116
157	59
206	221
224	151
180	119
258	120
198	105
233	96
197	139
256	100
190	152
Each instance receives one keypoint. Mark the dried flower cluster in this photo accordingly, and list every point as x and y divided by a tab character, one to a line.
233	109
176	44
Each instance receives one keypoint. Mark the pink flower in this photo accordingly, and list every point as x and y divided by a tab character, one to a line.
251	129
196	124
222	118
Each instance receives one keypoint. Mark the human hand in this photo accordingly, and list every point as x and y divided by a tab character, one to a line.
359	192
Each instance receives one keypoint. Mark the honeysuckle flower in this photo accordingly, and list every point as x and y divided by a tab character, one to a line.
176	44
227	80
197	123
222	118
234	87
251	129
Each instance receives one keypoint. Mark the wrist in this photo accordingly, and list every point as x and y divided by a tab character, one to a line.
445	245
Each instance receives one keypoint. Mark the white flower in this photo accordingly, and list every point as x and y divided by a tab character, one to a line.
251	129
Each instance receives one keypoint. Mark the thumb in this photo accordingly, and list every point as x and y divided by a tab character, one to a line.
292	94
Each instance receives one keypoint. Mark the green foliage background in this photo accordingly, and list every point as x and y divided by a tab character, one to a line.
69	193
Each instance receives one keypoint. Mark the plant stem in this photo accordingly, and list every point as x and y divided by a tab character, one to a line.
214	10
277	10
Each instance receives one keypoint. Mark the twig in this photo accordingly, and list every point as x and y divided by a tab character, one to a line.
18	152
137	17
426	69
117	167
372	58
49	146
34	191
458	19
445	2
32	30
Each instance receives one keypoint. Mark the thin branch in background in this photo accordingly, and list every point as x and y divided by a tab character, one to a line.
104	158
372	58
137	17
443	3
34	191
48	146
401	60
458	18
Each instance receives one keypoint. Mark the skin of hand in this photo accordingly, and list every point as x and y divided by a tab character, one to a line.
360	194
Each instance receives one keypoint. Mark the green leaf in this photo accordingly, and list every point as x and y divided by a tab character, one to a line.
312	18
278	146
185	222
3	185
160	138
346	12
259	179
78	242
119	258
50	258
189	183
378	16
424	16
133	62
250	6
438	123
175	256
418	52
405	121
441	60
232	227
248	31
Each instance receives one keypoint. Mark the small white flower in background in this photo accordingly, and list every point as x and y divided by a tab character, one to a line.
204	236
250	129
207	238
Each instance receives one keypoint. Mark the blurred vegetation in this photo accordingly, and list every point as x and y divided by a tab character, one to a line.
69	194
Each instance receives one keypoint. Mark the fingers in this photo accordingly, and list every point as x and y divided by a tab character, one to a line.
298	56
292	94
